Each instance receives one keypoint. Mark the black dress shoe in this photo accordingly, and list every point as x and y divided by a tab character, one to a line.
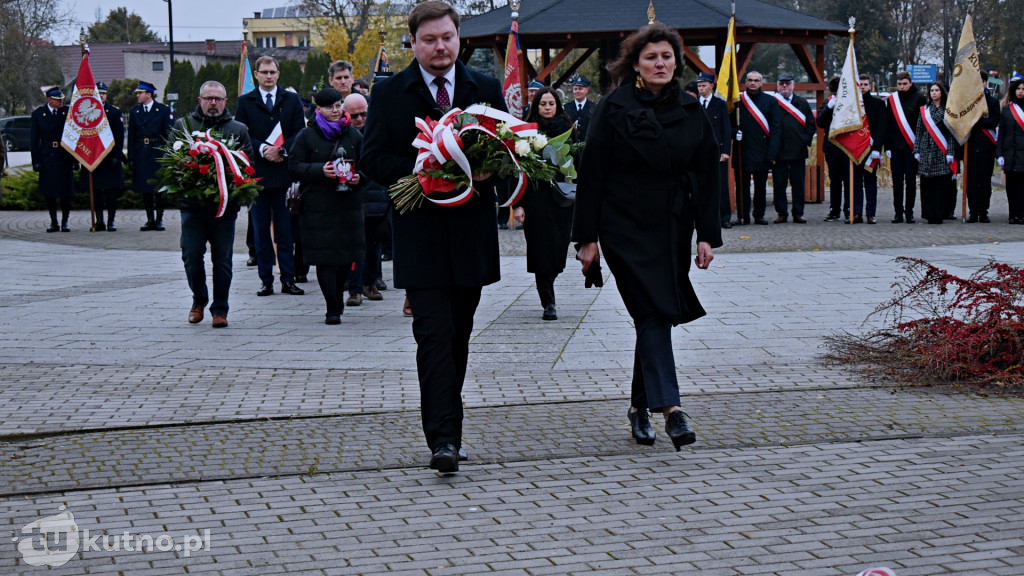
679	431
760	221
445	459
99	227
301	279
799	220
780	219
64	227
832	217
251	261
266	290
640	426
726	224
462	455
54	228
332	319
550	313
910	220
972	219
159	226
149	225
291	288
897	220
381	285
984	219
111	227
951	216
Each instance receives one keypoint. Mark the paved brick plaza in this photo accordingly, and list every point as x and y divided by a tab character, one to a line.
294	447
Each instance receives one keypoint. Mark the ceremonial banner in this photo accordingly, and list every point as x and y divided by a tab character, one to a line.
245	83
966	102
728	86
513	88
849	129
87	134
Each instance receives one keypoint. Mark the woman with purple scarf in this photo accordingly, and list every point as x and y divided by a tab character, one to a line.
325	159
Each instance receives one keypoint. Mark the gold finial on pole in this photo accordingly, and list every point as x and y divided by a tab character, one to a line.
650	13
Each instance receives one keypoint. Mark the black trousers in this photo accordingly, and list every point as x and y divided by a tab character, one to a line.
934	198
724	207
839	181
655	385
546	288
1015	194
979	181
904	184
106	199
760	194
442	324
332	285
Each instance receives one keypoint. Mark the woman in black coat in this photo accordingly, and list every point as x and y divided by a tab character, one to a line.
1010	149
649	178
547	231
332	211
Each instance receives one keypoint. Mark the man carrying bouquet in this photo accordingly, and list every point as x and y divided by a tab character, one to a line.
199	221
443	255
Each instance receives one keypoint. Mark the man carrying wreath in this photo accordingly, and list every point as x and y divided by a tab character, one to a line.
443	255
200	223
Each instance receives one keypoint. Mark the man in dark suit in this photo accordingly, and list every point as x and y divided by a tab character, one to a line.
865	174
981	157
759	140
836	160
796	135
580	109
443	256
108	177
904	109
50	159
718	112
268	107
148	126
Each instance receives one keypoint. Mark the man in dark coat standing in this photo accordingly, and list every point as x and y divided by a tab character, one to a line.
148	126
797	133
443	256
865	174
274	117
836	160
108	177
759	141
580	109
981	159
53	163
718	112
904	109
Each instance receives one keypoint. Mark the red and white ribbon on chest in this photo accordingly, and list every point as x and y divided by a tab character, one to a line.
755	112
221	156
438	142
1017	114
901	119
936	134
788	107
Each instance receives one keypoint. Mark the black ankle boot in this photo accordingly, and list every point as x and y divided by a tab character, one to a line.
679	431
640	426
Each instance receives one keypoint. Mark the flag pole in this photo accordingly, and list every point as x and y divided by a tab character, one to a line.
92	196
853	208
963	201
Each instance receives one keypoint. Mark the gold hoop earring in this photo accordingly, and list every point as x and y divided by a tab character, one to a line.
640	82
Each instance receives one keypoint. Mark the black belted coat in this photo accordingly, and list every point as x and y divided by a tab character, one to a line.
648	180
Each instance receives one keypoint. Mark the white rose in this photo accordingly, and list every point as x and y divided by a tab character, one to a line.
178	144
197	134
539	142
522	148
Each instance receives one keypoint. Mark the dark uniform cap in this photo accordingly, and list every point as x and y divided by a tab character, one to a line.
786	77
101	87
705	77
534	85
146	87
55	92
580	81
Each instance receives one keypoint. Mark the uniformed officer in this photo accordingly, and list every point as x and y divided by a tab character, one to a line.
108	177
148	126
53	163
581	108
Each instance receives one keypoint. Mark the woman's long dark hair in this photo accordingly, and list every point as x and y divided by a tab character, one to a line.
942	88
629	55
560	112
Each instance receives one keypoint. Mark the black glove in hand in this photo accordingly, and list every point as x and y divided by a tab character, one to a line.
593	276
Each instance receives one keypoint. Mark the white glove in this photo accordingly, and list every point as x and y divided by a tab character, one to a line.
888	153
917	157
1000	161
739	135
949	158
831	102
874	155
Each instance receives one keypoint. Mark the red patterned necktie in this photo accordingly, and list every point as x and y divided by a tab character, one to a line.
444	102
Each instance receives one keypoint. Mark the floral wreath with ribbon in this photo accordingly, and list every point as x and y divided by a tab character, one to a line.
455	150
205	167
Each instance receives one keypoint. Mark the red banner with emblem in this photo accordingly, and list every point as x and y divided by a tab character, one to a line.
87	134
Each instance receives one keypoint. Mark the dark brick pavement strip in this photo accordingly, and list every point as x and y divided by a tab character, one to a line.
829	509
122	283
388	440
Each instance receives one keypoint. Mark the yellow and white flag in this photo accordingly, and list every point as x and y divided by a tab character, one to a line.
728	80
966	102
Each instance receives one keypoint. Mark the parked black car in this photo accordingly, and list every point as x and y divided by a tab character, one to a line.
16	131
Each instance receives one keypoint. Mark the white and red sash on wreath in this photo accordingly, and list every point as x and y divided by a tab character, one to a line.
937	136
788	107
755	112
901	119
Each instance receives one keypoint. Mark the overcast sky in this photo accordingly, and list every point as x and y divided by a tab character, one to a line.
193	19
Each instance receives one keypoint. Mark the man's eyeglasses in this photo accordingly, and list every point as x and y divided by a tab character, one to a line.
212	98
358	115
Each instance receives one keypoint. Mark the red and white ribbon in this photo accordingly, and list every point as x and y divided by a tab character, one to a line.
438	140
1017	114
877	572
901	119
992	135
793	111
755	112
937	136
221	155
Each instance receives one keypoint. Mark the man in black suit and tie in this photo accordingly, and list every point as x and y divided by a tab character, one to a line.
50	159
718	112
580	109
758	138
443	256
148	126
263	110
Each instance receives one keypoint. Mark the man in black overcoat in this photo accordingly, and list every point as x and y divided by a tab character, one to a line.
759	140
149	124
443	256
53	163
904	109
262	110
865	174
718	112
981	159
108	177
797	133
836	160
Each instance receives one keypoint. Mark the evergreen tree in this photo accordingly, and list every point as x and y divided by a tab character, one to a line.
120	26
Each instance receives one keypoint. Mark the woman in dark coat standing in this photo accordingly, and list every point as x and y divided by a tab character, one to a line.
1010	149
332	211
548	228
649	178
933	163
